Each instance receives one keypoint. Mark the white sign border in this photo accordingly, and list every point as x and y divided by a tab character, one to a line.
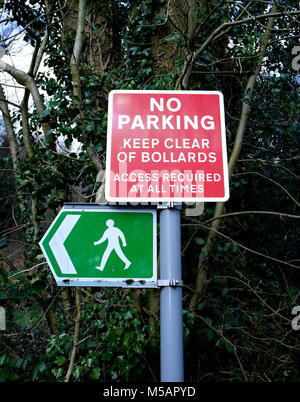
106	282
165	199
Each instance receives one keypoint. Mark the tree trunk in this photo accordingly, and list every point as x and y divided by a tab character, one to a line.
9	131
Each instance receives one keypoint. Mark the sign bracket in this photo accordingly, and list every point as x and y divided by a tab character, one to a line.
171	204
169	282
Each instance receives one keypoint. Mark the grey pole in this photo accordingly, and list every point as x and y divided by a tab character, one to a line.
171	334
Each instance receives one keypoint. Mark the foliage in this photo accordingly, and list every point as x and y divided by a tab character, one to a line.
114	345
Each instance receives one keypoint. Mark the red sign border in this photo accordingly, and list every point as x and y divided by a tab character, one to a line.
164	199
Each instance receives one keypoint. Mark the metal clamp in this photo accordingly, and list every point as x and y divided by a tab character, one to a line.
169	282
172	204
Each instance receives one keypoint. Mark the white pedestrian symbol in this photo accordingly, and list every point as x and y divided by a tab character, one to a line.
112	235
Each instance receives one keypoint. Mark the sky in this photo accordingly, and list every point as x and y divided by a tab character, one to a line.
18	53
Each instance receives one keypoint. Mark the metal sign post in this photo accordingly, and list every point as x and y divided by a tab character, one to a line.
171	333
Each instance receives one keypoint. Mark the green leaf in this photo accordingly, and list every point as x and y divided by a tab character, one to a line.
23	183
57	372
38	285
210	335
42	367
44	114
2	359
128	315
92	344
89	362
95	373
60	360
199	241
201	306
3	242
3	295
228	347
77	372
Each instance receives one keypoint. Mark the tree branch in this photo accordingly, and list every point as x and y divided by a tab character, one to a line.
273	181
74	66
219	209
9	130
76	336
221	30
253	212
256	294
25	79
77	49
242	246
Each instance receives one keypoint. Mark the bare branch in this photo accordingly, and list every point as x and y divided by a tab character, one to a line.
273	181
27	270
77	48
280	214
25	79
12	86
9	130
242	246
9	102
255	292
76	335
74	66
223	29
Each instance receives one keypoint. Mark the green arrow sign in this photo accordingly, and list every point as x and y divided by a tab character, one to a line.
101	246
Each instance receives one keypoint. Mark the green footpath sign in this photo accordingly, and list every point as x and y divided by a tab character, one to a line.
102	246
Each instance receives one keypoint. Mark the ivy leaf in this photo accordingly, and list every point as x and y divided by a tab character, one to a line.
3	242
60	360
199	241
95	373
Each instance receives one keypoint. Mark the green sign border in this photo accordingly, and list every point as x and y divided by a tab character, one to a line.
71	279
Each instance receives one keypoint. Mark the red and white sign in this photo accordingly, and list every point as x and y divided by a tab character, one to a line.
166	146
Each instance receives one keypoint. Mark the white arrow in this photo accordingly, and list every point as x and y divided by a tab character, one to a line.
57	244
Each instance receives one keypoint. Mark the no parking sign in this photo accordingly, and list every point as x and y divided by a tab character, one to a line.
166	146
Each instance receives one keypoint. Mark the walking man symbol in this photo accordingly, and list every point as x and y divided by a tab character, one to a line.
112	235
